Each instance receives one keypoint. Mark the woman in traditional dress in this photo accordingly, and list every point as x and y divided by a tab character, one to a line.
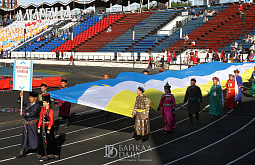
46	130
252	80
230	92
215	98
167	104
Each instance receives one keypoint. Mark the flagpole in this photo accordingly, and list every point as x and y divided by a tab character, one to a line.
21	104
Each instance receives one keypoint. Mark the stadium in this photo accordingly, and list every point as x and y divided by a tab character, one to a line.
120	81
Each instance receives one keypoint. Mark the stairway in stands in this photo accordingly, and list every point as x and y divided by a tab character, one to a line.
219	31
97	28
191	26
98	41
160	19
143	29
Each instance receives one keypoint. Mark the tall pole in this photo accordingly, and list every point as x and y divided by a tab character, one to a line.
84	5
24	42
133	38
180	54
242	21
71	31
129	8
242	39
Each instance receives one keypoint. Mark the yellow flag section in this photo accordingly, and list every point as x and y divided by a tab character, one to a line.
123	102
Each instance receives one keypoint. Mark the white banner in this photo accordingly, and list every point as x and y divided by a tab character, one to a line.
22	75
185	13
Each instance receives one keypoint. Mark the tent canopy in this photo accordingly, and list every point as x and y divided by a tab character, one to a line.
75	4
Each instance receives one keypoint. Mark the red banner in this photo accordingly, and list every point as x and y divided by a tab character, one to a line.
6	83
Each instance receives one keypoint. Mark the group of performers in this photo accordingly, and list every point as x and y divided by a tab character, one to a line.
39	128
233	87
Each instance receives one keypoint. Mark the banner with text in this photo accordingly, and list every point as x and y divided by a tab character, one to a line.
22	75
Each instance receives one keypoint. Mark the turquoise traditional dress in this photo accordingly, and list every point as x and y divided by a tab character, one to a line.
252	79
215	102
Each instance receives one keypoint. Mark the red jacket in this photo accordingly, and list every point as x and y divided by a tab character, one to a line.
48	116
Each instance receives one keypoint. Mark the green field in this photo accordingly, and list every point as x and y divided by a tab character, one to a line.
53	72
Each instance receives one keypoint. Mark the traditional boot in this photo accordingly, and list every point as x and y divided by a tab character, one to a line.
67	122
197	116
22	153
190	120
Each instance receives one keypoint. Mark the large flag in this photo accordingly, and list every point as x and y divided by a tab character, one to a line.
118	95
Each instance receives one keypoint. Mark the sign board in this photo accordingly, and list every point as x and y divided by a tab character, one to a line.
185	13
22	75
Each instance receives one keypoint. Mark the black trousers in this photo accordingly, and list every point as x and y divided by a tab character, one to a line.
51	142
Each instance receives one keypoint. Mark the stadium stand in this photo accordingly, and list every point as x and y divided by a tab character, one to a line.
145	27
32	44
219	31
248	29
117	29
191	26
13	34
58	43
88	32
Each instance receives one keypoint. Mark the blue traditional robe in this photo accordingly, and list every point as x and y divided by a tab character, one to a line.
30	135
239	81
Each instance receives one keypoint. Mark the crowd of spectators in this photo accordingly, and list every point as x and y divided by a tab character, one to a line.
203	13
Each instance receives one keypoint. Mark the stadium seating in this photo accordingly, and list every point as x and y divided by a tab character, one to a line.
219	31
142	29
248	29
13	34
88	33
118	28
92	34
57	43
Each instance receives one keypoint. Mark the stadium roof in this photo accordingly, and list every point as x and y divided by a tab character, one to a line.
75	4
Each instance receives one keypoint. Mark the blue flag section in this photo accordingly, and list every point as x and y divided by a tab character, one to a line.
118	95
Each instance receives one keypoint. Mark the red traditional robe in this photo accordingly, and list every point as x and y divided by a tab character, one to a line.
230	94
191	56
46	116
64	107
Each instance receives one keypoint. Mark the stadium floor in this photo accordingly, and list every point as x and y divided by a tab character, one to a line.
222	140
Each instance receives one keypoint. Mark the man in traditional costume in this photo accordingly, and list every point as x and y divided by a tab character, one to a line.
64	106
141	111
215	98
167	103
145	72
44	91
31	114
194	97
239	82
46	131
230	92
252	80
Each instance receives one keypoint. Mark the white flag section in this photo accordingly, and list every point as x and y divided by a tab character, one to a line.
22	75
118	95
